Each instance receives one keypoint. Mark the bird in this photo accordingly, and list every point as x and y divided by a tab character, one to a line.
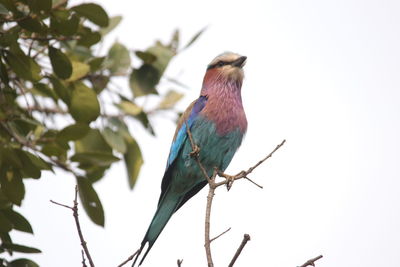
217	124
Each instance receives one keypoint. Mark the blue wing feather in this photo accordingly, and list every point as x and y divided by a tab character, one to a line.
182	133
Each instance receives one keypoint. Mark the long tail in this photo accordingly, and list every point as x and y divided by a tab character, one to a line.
165	209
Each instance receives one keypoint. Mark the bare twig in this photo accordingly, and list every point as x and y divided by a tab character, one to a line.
210	198
179	262
78	226
83	259
243	174
218	236
311	262
246	238
129	258
251	181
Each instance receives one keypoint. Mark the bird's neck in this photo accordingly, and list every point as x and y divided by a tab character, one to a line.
224	103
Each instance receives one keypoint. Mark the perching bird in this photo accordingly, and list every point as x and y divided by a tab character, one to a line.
217	123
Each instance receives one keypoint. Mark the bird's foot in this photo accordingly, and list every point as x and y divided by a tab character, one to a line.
229	181
195	152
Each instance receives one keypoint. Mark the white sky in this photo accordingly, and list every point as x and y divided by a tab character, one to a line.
322	74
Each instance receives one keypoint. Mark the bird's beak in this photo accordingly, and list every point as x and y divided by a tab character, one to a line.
240	62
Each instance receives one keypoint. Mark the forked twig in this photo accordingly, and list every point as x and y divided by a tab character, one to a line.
74	209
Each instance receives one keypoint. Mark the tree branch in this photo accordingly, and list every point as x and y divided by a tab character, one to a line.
246	238
311	262
74	209
218	236
129	258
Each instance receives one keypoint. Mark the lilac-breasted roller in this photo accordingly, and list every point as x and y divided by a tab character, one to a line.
217	123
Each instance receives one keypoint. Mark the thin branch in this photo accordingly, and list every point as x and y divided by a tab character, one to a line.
218	236
62	205
244	174
83	259
129	258
246	238
311	262
210	198
251	181
78	226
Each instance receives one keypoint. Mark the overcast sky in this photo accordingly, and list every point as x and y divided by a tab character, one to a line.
324	75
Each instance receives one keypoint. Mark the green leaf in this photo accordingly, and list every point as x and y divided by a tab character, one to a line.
122	128
39	162
95	173
73	132
61	22
79	70
3	10
92	142
93	12
20	248
29	169
18	221
113	22
170	99
32	24
10	37
96	63
4	202
61	90
54	149
164	54
12	186
62	67
23	263
143	80
88	37
146	57
114	139
40	6
90	201
194	38
84	106
142	117
24	66
118	59
5	223
133	161
95	158
99	82
44	90
129	107
10	158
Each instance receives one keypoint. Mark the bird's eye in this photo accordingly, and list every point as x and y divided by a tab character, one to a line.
221	63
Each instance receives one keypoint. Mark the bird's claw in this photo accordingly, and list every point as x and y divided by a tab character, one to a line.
195	152
230	179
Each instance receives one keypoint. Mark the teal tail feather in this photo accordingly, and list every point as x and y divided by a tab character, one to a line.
167	206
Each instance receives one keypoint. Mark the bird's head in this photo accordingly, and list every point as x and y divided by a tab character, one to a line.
227	67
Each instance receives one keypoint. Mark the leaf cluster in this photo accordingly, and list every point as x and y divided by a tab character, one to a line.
61	106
